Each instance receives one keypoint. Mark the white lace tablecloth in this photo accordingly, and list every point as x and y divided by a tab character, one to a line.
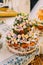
18	60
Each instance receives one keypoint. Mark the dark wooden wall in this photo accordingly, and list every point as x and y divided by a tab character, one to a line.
1	0
32	3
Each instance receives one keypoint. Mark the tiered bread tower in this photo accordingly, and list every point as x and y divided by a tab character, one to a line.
23	37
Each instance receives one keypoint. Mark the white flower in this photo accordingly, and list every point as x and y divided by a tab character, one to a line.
18	40
19	36
24	26
12	42
27	21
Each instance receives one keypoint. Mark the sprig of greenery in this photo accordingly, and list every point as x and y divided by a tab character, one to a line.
16	32
42	23
23	14
35	25
8	38
25	17
1	22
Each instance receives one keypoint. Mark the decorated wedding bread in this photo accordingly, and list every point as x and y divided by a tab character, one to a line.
23	37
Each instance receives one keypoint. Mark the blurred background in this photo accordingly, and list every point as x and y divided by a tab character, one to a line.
32	3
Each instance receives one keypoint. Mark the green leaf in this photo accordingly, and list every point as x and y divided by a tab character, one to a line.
35	25
25	18
25	30
8	38
14	31
14	24
42	23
